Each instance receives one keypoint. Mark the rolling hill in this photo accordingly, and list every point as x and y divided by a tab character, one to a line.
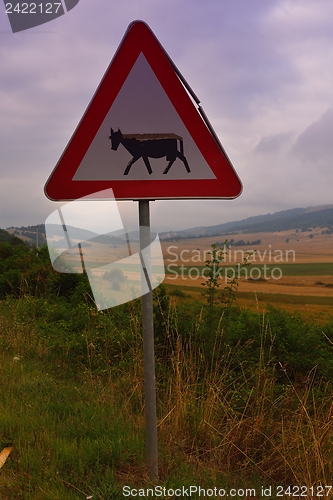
295	218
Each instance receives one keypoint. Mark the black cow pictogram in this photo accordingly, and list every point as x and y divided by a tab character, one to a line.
150	146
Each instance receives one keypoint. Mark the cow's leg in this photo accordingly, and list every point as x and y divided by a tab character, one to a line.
183	159
145	159
171	162
130	163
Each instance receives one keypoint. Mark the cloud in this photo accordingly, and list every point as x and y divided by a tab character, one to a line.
314	146
262	70
289	169
274	144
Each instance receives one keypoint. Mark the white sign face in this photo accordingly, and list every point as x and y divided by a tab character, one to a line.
148	137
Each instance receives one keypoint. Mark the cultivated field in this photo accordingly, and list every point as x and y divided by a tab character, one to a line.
305	249
289	268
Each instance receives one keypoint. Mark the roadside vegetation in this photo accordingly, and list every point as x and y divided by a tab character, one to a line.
243	399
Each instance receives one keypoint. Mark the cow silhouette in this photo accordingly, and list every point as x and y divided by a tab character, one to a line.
150	146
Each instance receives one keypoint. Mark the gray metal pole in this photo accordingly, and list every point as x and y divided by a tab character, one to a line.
148	350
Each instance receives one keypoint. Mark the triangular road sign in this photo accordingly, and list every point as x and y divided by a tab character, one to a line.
144	134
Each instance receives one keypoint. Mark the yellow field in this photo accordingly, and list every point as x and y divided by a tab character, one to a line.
273	251
299	249
276	249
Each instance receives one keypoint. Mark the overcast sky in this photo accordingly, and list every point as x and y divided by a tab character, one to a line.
262	69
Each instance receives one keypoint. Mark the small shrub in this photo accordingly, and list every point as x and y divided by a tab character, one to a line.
177	292
116	277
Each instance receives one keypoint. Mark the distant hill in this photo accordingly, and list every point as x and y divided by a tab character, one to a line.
28	234
295	218
9	238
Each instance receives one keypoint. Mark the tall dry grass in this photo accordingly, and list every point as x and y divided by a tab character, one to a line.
246	423
219	417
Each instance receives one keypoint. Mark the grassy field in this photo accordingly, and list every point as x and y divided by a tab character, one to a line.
309	269
279	247
244	392
318	308
241	412
288	270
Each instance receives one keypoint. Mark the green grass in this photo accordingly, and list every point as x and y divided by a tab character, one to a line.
250	405
193	291
292	269
67	436
309	269
281	299
308	306
243	399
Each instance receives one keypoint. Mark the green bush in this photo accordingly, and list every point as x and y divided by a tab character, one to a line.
61	309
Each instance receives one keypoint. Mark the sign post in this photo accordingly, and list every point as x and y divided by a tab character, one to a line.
148	348
164	148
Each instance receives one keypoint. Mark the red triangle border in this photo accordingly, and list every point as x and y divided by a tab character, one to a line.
139	38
